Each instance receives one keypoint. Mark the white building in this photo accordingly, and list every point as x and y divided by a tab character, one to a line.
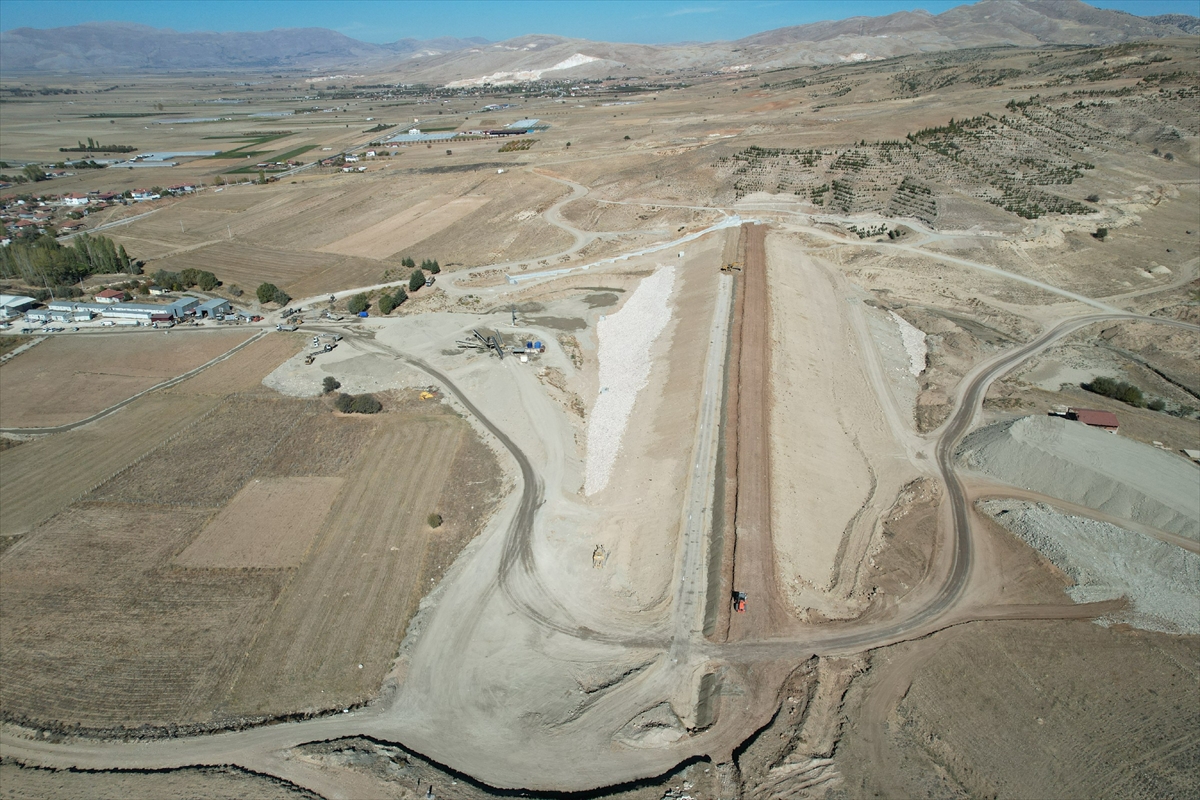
11	305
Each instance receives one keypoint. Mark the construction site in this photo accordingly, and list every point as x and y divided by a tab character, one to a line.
691	479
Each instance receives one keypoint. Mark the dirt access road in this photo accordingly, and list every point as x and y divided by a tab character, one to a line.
454	710
754	570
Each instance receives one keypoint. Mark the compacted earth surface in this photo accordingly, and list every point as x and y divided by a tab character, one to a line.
731	451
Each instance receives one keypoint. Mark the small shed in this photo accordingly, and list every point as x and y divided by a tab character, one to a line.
1095	418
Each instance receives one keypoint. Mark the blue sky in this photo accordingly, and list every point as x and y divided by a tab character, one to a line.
645	21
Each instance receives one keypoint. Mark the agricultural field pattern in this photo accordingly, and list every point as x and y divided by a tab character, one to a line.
815	415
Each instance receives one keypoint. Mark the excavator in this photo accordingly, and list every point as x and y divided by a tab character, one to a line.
731	268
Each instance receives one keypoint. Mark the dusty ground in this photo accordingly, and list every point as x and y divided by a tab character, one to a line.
949	713
49	388
1067	705
159	533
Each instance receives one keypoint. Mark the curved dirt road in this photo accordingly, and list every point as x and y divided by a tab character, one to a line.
517	578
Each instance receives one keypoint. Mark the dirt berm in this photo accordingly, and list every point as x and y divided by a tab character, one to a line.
1090	467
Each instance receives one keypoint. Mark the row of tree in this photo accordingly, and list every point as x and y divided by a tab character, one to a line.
186	279
429	265
1125	392
93	146
390	302
42	261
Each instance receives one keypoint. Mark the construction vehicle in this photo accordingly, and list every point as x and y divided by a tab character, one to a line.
599	556
309	359
427	395
739	602
736	266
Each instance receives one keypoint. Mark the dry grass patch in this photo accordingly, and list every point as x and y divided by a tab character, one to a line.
214	783
42	477
246	369
324	446
97	629
374	559
268	524
68	378
405	229
248	265
208	462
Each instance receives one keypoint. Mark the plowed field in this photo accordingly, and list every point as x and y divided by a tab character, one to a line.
99	630
352	598
270	523
42	477
69	378
406	228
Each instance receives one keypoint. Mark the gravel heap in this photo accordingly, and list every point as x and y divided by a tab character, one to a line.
1090	467
914	344
625	339
1162	581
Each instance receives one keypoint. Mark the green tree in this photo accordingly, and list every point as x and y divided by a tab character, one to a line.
366	404
408	262
358	303
357	404
386	304
281	297
416	280
434	520
330	384
400	297
266	292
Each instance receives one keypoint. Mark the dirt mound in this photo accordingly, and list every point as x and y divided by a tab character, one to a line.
1083	465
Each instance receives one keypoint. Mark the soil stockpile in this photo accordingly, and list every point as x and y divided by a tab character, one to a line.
1162	581
1070	461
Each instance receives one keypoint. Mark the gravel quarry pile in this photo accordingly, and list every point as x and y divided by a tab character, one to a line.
625	339
914	344
1068	460
1161	581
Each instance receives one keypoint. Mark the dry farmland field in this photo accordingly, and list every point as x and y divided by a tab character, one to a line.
234	565
69	378
18	782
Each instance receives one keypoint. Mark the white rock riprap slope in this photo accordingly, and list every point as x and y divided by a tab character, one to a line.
1068	460
1160	580
914	344
625	341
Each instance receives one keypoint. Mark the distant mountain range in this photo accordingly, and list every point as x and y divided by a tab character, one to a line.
129	47
124	47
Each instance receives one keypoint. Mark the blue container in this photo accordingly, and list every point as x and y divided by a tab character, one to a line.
363	314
